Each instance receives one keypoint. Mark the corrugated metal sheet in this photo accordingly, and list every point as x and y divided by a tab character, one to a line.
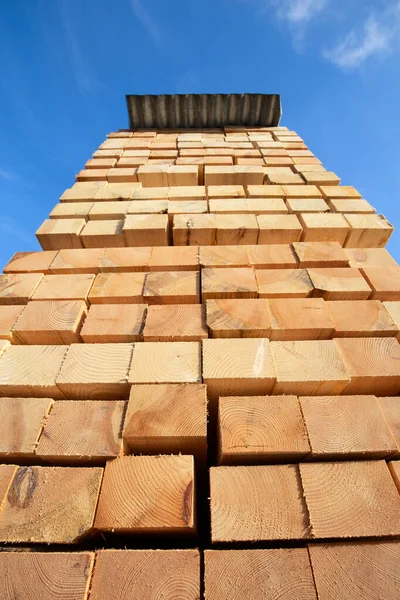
203	110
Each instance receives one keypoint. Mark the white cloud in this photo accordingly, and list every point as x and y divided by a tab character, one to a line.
148	23
299	11
353	50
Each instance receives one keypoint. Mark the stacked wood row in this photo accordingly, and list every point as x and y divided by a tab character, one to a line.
200	380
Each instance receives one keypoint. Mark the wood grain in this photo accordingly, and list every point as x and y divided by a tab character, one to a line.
8	317
54	234
390	408
272	256
114	323
246	504
320	254
52	505
283	283
223	256
166	362
172	258
84	260
125	260
384	281
339	284
82	432
146	230
312	367
172	287
117	288
30	262
361	318
31	371
351	499
372	363
335	429
21	423
148	494
175	323
95	371
234	367
167	418
283	573
18	288
103	234
228	318
51	322
166	574
64	287
261	429
228	283
299	319
279	229
46	575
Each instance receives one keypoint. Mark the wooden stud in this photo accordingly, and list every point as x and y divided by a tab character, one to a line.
344	192
46	574
238	318
194	230
81	432
276	177
261	429
148	494
90	175
246	504
100	163
320	254
186	175
51	322
393	310
390	408
166	362
54	234
64	287
324	227
335	283
234	367
8	317
30	262
307	192
167	419
111	210
307	205
254	574
186	207
372	363
103	234
114	323
335	429
326	178
187	193
92	371
219	175
361	318
169	574
223	256
279	229
283	283
173	258
71	210
300	319
172	287
58	505
226	191
175	323
351	206
241	229
311	368
369	257
144	207
350	499
384	281
21	423
31	371
125	260
117	288
151	193
82	191
248	175
153	175
116	191
272	256
72	262
368	231
367	570
123	175
146	230
18	288
228	283
265	191
394	468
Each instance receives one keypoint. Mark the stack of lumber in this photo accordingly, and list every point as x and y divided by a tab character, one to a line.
200	380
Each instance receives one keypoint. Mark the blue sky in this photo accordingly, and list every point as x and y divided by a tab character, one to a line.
66	66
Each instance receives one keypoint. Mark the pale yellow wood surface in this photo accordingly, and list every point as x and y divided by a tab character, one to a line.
54	234
336	283
103	234
175	323
51	322
283	283
228	283
172	287
361	318
21	422
299	319
320	254
117	288
85	260
64	287
18	288
166	362
114	323
227	318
